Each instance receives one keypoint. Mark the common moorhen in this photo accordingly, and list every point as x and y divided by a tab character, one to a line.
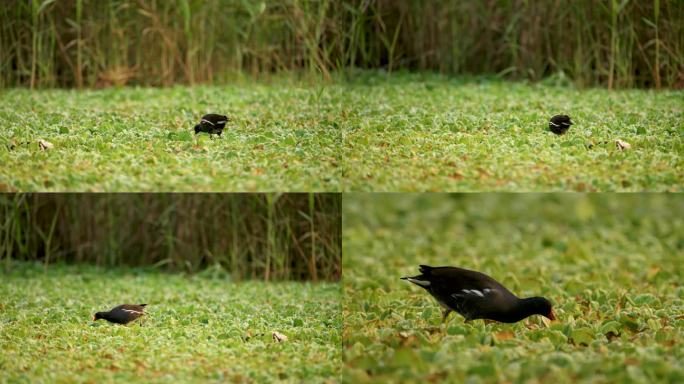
560	124
123	314
212	124
475	295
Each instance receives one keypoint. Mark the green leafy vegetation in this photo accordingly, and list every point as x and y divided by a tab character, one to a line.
198	328
134	139
374	133
610	263
432	133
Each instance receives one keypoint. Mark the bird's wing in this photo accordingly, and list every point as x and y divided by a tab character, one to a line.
477	303
133	311
485	294
458	279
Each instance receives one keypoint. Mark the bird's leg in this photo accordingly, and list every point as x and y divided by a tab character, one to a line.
445	313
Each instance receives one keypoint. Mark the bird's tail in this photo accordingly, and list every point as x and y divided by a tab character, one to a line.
426	269
418	280
142	305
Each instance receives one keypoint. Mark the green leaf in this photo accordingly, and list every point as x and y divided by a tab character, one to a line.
611	326
645	299
457	330
427	314
582	336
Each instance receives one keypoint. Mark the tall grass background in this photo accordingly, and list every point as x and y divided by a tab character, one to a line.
248	236
79	43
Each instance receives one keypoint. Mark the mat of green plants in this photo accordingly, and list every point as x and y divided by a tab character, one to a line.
281	138
198	328
434	133
364	132
611	264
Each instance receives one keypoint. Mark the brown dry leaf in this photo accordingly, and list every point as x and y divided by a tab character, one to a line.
45	145
631	361
652	272
437	377
622	145
503	335
456	176
279	337
179	123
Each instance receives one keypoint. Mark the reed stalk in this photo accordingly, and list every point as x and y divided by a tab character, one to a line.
250	236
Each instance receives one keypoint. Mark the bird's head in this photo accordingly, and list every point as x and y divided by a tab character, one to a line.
97	316
197	129
542	306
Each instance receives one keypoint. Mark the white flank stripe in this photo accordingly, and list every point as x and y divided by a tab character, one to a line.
473	292
207	121
132	311
552	123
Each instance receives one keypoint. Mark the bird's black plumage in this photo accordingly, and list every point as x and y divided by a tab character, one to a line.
122	314
560	124
475	295
212	124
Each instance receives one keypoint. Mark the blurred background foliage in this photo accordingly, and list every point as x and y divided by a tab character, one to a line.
247	236
600	231
613	43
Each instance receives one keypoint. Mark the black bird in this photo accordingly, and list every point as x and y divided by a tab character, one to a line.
560	124
123	314
475	295
212	124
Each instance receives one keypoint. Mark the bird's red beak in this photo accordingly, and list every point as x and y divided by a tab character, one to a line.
94	319
551	316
